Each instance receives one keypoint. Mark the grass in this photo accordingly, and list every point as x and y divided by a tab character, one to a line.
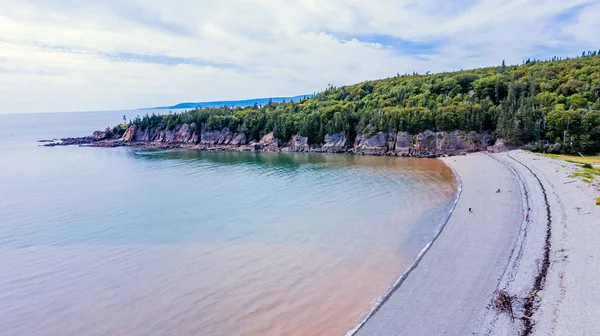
590	165
588	174
591	160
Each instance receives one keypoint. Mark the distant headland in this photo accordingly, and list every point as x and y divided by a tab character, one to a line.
230	103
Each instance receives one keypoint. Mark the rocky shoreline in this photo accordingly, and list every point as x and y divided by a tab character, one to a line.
427	144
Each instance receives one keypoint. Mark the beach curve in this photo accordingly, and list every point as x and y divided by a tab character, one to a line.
386	296
451	289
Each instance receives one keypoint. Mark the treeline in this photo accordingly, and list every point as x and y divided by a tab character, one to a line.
553	104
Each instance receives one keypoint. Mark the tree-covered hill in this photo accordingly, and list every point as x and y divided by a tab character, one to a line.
554	103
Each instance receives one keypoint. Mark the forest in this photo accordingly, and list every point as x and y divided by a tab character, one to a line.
551	105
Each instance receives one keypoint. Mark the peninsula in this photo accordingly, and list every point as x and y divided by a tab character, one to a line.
230	103
551	106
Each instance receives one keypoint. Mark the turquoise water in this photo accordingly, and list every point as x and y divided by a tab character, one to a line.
102	241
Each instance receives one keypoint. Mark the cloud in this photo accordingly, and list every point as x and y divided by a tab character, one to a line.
59	55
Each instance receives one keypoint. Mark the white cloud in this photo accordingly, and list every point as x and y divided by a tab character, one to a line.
61	55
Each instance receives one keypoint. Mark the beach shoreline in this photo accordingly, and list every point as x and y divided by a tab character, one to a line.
386	296
496	248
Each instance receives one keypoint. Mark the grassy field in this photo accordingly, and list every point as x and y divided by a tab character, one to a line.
589	166
593	160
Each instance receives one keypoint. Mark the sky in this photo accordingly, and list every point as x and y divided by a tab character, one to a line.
82	55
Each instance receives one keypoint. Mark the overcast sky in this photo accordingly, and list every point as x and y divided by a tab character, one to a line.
78	55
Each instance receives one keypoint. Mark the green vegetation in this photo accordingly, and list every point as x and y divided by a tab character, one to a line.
587	173
598	201
119	129
552	105
589	160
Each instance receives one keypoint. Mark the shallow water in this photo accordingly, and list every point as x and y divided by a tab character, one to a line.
121	241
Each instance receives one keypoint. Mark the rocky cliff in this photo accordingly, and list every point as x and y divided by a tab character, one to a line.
426	144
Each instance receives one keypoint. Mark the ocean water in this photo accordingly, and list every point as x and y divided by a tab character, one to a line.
122	241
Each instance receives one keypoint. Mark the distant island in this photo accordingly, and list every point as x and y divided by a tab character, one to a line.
229	103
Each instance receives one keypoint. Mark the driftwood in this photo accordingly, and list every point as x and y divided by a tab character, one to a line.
503	302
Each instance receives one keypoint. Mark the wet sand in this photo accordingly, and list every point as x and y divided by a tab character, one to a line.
455	280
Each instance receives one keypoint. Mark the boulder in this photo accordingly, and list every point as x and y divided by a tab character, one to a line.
99	135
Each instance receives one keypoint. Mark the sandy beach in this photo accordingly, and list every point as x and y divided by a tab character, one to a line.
548	264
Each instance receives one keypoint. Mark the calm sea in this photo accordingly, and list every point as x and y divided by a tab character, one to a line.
122	241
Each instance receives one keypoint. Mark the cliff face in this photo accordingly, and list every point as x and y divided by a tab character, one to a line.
423	144
426	144
181	135
334	143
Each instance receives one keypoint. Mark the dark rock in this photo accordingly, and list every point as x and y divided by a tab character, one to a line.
99	135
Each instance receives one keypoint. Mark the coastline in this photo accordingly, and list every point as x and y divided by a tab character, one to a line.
543	263
455	280
427	144
390	291
548	265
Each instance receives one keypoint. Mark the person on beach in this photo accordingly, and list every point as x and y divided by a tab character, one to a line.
498	191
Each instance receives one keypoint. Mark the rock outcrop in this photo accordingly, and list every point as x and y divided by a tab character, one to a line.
404	145
297	143
99	135
239	140
376	144
130	134
425	144
498	147
449	143
334	143
269	143
216	138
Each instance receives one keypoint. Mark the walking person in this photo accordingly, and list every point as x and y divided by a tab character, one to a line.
527	217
